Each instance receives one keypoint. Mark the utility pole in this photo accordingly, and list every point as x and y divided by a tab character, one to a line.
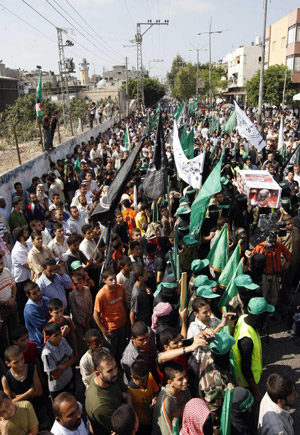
197	68
210	65
262	67
139	54
65	67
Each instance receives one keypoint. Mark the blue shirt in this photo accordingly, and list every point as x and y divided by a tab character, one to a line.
56	288
36	317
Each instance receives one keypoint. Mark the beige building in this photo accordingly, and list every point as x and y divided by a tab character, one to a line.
283	43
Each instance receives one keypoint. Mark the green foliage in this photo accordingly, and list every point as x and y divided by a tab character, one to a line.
177	63
273	86
153	90
185	82
78	109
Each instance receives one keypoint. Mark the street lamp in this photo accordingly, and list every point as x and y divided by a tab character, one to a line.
154	61
197	73
209	33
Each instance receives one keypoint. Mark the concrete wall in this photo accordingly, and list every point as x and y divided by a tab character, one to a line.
40	164
277	45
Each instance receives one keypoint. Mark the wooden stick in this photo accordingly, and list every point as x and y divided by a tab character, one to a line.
98	243
183	298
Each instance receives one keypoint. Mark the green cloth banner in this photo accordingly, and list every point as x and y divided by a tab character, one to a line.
232	264
226	412
211	186
231	123
219	253
231	289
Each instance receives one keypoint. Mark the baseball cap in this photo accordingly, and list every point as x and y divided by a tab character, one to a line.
205	291
183	210
189	239
222	343
201	280
184	200
198	265
76	264
259	306
190	190
245	281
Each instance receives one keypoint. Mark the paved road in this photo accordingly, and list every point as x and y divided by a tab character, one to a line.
281	355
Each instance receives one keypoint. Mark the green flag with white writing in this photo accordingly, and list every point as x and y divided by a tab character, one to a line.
231	123
211	186
231	290
219	253
38	95
177	112
126	141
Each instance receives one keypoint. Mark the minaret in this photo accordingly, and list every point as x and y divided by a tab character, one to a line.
84	72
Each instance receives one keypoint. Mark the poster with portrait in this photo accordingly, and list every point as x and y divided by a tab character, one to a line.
259	187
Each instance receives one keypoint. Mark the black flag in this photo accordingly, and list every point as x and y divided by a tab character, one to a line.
105	210
156	180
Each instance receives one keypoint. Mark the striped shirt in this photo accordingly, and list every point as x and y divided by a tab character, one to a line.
6	284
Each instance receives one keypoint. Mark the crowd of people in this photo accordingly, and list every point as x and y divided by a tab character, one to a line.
94	337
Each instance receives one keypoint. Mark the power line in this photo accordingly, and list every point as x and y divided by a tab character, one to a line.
82	28
46	36
129	12
91	42
111	48
72	39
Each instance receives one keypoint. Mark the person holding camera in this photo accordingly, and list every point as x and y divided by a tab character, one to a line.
274	251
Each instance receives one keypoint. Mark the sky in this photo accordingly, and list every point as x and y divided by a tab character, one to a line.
102	27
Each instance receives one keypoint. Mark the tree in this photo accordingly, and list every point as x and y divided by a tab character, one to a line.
177	63
218	80
185	82
153	90
273	86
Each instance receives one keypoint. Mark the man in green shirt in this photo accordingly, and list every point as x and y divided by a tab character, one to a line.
17	418
105	393
17	218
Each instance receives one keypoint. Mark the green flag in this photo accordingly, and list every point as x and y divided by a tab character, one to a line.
231	289
230	124
155	212
77	166
188	148
219	253
194	105
226	411
38	94
150	123
178	111
175	426
231	265
126	140
183	136
211	186
214	125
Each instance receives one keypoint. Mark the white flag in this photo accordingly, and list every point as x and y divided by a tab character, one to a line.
189	170
248	130
280	135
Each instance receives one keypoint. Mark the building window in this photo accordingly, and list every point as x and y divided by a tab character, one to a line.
290	62
298	33
291	34
283	42
297	63
274	46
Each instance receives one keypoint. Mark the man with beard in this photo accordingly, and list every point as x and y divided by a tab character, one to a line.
105	393
247	352
67	412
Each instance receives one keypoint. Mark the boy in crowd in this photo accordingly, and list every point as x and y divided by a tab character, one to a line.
121	228
144	391
140	298
136	253
18	418
94	340
81	305
57	357
65	323
58	245
110	312
21	381
126	277
171	400
20	337
36	313
141	346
